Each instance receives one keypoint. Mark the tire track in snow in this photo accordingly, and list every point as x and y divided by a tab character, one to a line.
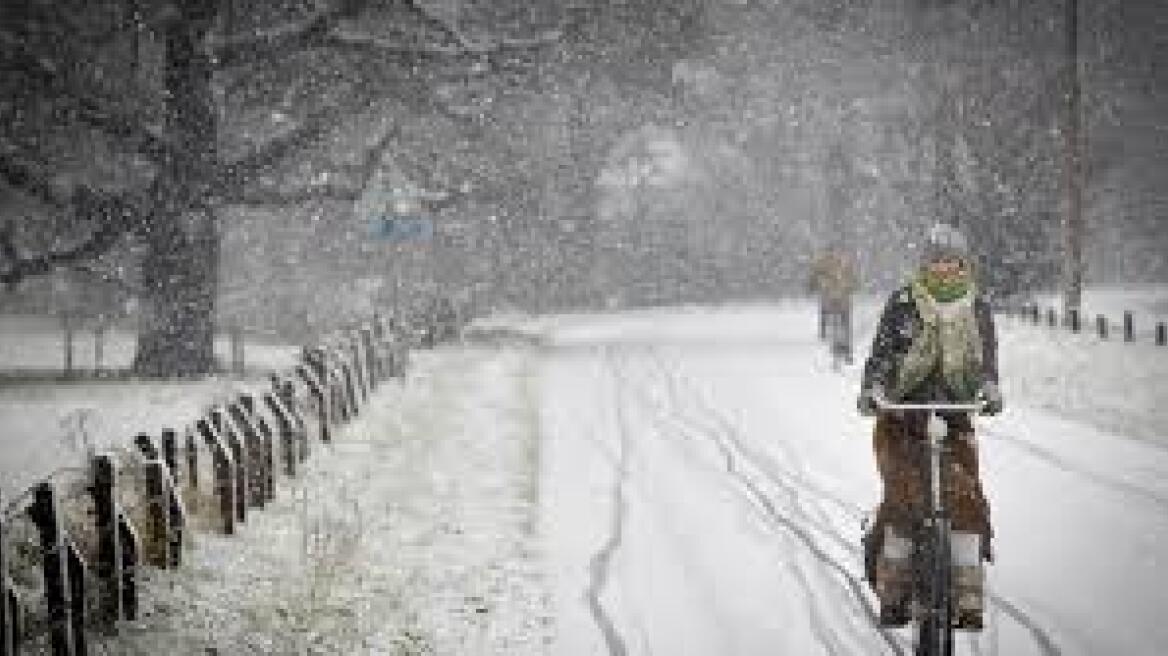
639	393
600	565
689	432
723	437
1042	638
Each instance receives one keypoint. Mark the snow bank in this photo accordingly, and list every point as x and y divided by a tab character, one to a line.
1147	302
414	533
1117	387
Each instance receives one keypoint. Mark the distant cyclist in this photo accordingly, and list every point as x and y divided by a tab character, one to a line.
833	279
935	343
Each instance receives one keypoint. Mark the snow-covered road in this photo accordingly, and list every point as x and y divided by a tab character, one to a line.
705	477
674	482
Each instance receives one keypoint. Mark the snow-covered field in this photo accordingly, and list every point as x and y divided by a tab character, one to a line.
37	343
1148	304
687	481
45	426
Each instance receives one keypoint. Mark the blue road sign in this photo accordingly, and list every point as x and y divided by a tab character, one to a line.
399	228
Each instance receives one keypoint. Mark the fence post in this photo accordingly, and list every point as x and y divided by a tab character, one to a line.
1101	326
287	394
253	450
99	347
351	390
286	431
353	353
315	387
334	380
224	474
267	453
377	346
367	372
15	612
192	448
1076	320
7	619
109	551
1051	317
170	453
372	364
44	513
227	430
1161	334
237	363
317	360
131	547
1129	327
157	538
146	446
77	596
338	383
67	325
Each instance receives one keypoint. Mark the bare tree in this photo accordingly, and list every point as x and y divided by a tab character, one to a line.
171	171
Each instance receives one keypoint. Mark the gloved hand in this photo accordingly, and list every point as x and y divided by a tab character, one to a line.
992	399
866	403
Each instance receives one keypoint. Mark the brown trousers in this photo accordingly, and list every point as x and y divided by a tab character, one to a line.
901	446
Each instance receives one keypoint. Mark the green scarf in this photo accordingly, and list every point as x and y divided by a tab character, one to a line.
949	342
945	291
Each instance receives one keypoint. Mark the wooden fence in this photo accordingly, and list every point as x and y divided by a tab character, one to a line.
1103	327
71	551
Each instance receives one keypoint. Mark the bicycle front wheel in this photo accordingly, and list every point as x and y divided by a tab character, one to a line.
935	591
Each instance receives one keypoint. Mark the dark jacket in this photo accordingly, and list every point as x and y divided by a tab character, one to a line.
899	324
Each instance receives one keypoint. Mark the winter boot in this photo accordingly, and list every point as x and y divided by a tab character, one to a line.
894	579
968	581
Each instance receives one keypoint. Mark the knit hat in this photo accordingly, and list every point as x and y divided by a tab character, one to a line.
944	241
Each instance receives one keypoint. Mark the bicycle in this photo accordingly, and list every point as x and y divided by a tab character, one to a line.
932	597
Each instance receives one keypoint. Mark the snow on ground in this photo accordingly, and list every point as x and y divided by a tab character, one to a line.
1147	302
37	343
46	425
1119	388
706	477
685	481
414	533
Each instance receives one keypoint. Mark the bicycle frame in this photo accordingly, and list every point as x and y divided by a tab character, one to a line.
933	546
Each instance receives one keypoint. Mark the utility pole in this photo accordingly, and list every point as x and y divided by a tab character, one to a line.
1073	212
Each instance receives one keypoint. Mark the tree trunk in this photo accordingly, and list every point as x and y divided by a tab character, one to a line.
176	335
180	268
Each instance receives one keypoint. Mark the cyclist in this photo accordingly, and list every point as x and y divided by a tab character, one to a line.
935	342
833	278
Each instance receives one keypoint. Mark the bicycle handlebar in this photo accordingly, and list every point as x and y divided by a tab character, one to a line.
883	404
